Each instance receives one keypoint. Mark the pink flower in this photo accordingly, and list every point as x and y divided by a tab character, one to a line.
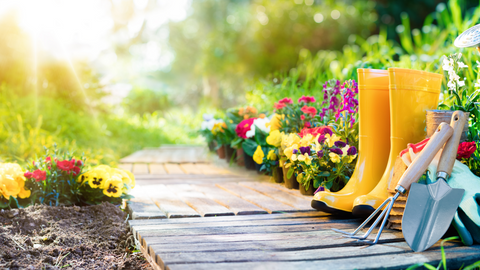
279	106
302	117
306	99
76	170
466	149
39	175
286	101
307	124
309	110
243	127
28	174
65	165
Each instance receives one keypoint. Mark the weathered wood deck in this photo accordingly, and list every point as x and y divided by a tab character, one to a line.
190	213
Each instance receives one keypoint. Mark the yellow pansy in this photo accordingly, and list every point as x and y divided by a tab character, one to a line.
12	181
113	186
345	150
306	140
331	140
318	146
350	158
289	140
258	155
334	158
218	128
275	138
275	122
289	150
271	155
294	157
126	179
305	158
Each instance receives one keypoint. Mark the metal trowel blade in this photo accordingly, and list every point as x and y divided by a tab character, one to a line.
428	213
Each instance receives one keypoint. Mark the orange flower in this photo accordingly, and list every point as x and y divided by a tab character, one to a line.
262	115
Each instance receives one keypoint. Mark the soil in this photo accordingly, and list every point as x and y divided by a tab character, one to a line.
46	237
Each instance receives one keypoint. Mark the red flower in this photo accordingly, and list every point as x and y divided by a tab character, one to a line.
39	175
76	170
286	101
65	165
79	163
302	117
309	110
279	106
466	149
307	124
48	160
28	174
315	131
243	127
306	99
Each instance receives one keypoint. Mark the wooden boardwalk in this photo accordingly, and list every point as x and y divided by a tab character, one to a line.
190	213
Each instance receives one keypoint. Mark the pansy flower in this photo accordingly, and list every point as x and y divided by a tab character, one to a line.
113	187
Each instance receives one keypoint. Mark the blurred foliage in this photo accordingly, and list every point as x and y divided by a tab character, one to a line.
140	101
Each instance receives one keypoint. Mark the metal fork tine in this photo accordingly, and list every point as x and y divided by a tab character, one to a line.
366	221
387	214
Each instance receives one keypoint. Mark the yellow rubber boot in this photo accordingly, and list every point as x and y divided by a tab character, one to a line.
412	92
374	145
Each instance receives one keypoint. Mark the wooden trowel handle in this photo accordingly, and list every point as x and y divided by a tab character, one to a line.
449	154
421	162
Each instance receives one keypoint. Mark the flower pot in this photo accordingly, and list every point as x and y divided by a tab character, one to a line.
310	190
278	174
257	167
291	182
240	159
221	152
435	117
229	152
248	160
211	146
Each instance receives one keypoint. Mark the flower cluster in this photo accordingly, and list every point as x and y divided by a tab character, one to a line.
450	65
247	112
293	117
319	155
112	181
12	182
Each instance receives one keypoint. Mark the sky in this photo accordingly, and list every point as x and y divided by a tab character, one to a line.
89	30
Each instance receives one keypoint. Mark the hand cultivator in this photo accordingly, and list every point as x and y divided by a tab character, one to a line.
411	175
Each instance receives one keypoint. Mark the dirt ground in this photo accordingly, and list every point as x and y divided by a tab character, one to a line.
90	237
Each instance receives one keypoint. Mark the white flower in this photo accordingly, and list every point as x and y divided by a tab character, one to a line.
447	64
477	84
451	85
261	124
210	123
461	83
251	132
462	65
459	55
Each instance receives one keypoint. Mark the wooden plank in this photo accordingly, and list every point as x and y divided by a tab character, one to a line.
171	204
253	241
243	223
268	204
140	168
279	195
190	168
317	214
173	169
194	232
293	192
230	201
157	169
144	209
125	166
209	169
198	201
456	258
165	258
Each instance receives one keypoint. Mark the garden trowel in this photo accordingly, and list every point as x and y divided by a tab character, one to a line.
430	208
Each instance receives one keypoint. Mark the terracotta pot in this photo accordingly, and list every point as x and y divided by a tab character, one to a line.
221	152
291	182
278	174
229	152
248	160
435	117
240	160
310	190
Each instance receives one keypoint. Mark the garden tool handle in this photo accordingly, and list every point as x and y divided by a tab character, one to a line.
449	154
424	158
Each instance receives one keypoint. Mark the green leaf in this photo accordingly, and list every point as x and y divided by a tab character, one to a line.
249	146
290	172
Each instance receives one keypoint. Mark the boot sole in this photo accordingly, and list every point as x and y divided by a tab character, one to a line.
362	210
321	206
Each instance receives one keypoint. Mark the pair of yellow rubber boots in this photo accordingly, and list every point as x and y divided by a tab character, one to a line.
392	106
